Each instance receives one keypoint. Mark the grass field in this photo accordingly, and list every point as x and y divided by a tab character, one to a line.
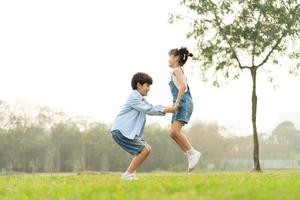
155	186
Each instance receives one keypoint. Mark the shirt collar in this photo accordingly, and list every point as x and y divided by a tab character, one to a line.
138	93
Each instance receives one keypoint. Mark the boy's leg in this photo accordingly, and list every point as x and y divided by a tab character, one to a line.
139	159
179	137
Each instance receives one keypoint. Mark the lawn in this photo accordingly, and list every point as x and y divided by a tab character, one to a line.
155	186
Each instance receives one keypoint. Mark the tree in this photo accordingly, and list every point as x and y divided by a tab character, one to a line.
98	147
286	136
65	140
237	35
34	145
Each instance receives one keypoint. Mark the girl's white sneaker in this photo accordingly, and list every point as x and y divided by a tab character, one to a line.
193	159
129	176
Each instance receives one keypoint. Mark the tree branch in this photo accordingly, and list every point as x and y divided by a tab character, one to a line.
231	48
254	42
273	48
279	40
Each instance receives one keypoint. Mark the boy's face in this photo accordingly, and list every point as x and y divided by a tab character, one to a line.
143	89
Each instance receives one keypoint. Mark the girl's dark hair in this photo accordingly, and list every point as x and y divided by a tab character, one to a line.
183	54
141	78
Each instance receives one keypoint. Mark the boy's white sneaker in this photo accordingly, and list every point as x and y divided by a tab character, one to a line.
193	159
129	176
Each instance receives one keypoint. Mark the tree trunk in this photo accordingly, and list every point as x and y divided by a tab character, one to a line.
57	160
254	111
83	157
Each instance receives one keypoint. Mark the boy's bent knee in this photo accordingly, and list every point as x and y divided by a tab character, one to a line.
147	149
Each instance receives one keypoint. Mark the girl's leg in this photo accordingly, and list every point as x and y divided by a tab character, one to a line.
179	137
193	155
139	159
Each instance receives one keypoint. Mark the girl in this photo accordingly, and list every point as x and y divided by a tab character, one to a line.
182	100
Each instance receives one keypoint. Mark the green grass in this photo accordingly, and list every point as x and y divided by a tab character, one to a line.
155	186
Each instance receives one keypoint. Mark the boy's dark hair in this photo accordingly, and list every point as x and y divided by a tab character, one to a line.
141	78
183	54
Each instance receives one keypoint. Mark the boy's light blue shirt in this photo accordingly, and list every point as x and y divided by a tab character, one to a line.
132	118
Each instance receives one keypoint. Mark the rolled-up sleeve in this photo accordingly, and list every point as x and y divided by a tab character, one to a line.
143	106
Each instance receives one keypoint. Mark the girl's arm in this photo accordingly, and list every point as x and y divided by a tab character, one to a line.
181	83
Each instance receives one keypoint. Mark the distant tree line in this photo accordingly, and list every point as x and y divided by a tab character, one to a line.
44	140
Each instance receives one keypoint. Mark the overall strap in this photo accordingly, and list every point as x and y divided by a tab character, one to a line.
184	77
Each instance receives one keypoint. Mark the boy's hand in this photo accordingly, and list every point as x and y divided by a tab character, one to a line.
171	109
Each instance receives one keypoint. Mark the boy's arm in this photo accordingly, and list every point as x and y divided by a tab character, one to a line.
170	109
143	106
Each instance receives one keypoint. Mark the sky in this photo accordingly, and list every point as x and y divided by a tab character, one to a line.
79	56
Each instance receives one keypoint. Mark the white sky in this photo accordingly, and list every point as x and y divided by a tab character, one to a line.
79	56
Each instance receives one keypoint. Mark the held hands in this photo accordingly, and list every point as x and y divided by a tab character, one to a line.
171	109
176	104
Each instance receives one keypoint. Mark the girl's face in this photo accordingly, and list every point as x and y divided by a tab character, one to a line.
173	61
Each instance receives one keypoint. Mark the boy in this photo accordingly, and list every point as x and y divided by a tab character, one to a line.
128	126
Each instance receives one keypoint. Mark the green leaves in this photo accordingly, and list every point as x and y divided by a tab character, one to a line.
174	18
227	31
